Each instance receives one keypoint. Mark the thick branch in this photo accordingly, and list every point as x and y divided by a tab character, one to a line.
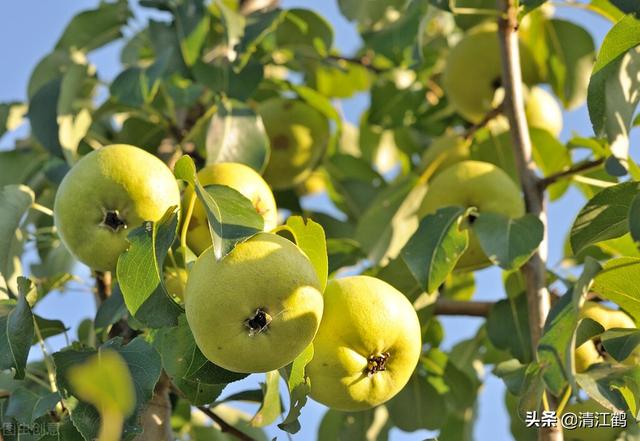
534	271
156	417
577	169
456	307
224	426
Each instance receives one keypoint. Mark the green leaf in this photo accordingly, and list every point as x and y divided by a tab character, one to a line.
271	407
27	405
571	56
556	347
391	219
17	166
620	343
306	32
604	217
309	237
111	310
48	328
144	365
44	117
136	86
200	380
232	217
634	218
94	28
340	79
104	381
508	327
495	146
611	101
236	134
434	249
16	331
417	406
607	385
192	27
369	425
15	200
370	12
619	281
143	291
257	28
11	115
299	386
507	242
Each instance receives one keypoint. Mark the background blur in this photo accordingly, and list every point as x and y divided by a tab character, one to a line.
29	29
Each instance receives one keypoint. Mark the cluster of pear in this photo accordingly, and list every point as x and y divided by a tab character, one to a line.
457	179
262	305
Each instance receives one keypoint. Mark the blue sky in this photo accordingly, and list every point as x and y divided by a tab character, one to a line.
30	28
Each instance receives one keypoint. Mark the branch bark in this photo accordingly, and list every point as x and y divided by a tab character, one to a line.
224	426
156	418
534	271
456	307
579	168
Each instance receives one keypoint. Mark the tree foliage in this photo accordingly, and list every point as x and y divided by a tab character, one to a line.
194	75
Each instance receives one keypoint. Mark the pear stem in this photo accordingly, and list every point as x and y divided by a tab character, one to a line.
534	271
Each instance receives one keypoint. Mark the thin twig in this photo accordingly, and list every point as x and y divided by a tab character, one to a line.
534	271
579	168
457	307
364	61
490	116
224	426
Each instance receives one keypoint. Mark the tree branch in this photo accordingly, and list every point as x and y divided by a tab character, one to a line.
224	426
576	169
534	271
363	61
457	307
156	417
103	286
490	116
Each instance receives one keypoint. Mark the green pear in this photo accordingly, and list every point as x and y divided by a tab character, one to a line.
542	111
445	151
298	134
473	72
473	184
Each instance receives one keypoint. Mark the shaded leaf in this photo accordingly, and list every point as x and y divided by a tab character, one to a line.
619	281
232	217
200	380
507	242
15	200
508	327
556	347
236	134
96	27
571	57
604	216
434	249
310	238
299	386
143	291
16	331
271	407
